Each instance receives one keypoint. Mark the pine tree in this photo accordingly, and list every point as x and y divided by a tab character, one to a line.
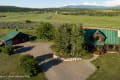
70	39
62	41
77	39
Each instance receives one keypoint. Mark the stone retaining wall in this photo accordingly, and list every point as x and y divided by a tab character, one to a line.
67	59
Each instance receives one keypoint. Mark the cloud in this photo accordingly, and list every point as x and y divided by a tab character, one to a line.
112	3
105	3
71	4
87	3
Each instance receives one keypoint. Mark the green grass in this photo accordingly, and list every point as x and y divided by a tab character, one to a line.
4	31
109	68
9	65
87	56
87	21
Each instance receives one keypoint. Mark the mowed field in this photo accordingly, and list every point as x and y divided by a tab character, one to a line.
87	21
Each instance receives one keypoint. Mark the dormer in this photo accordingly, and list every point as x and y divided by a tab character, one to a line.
99	36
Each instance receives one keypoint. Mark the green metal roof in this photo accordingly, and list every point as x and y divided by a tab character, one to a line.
99	43
10	35
111	36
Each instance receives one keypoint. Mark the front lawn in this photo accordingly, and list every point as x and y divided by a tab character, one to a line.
108	68
87	56
9	66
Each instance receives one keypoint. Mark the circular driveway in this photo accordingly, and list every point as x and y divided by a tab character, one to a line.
55	69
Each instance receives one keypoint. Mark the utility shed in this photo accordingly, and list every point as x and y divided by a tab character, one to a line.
13	37
102	38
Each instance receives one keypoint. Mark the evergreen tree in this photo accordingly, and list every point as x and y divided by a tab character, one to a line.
77	39
62	42
69	39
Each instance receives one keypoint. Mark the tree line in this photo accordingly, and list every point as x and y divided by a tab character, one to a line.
63	11
19	25
68	38
92	13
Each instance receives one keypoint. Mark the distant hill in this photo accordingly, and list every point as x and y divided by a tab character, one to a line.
15	9
22	9
117	7
84	6
40	10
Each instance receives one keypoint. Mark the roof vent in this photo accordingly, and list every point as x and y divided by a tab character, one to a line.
119	33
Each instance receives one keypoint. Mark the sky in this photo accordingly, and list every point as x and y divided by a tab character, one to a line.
57	3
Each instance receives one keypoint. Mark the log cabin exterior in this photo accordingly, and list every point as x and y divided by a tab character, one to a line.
102	39
13	37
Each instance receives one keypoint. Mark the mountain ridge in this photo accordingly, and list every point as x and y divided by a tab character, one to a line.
88	6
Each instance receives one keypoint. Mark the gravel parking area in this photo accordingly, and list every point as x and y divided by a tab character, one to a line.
55	69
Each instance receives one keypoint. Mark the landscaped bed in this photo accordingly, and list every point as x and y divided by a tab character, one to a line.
9	66
85	56
108	67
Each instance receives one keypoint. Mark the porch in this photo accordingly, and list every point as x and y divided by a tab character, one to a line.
107	48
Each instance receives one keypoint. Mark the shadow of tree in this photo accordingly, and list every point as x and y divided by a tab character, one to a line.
22	49
45	66
18	47
44	57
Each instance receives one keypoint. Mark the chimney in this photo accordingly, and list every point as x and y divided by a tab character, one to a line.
119	33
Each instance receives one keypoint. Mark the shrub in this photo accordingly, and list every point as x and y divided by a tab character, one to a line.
29	65
119	48
83	52
25	57
8	50
0	49
27	21
45	31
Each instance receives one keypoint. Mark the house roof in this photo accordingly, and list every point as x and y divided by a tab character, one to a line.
110	35
10	35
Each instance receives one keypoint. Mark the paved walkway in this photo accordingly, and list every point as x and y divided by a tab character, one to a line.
55	69
94	58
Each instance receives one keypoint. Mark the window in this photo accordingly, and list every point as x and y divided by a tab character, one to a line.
111	47
98	38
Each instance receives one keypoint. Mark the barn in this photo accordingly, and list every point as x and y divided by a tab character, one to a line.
13	37
103	40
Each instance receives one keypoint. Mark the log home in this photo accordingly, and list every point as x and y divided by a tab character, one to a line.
13	37
102	39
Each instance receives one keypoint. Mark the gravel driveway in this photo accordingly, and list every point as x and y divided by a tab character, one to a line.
55	69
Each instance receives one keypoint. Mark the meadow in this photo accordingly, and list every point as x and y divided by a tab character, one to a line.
57	19
109	68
